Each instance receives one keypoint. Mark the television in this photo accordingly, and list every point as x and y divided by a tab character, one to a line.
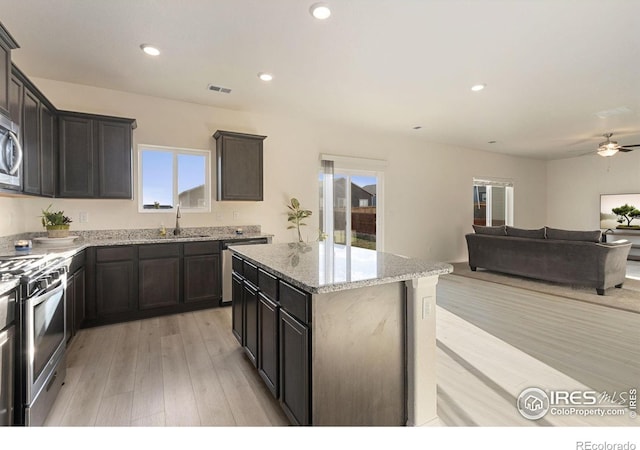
620	211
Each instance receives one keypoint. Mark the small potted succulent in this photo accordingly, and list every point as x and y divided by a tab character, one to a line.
56	223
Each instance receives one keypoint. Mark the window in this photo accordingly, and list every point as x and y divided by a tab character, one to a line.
492	202
351	201
171	176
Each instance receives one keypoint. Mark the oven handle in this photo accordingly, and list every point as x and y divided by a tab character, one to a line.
49	292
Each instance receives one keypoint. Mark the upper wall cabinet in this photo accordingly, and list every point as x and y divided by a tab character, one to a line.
7	43
239	166
95	156
36	116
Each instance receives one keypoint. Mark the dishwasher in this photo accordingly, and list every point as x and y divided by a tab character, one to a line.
226	263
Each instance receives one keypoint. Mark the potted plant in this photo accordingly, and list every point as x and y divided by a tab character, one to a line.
296	215
56	223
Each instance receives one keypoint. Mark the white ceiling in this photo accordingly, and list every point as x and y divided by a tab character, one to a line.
549	65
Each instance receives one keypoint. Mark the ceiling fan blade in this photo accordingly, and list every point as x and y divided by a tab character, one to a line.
627	146
624	149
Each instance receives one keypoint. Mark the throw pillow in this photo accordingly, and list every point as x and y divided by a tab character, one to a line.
521	232
493	231
569	235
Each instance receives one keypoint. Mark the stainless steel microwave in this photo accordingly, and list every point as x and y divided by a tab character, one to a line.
10	155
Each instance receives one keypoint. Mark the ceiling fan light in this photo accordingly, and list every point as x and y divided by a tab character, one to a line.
607	151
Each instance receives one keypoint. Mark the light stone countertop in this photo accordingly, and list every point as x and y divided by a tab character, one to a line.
313	269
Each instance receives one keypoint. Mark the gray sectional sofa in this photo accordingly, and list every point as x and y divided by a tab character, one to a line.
550	254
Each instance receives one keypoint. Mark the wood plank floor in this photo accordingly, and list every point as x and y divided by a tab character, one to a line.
493	341
180	370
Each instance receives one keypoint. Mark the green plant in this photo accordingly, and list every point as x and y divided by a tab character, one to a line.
626	212
54	218
296	215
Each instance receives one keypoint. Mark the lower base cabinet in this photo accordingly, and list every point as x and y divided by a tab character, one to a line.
294	369
75	302
268	348
251	322
270	322
132	282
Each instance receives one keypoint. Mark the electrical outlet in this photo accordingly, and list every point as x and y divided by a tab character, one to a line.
83	217
236	215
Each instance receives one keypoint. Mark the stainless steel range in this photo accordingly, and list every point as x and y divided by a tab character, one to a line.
41	364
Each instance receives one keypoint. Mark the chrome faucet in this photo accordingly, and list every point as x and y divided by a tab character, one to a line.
177	230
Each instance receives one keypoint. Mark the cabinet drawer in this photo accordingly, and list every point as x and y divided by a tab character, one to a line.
295	301
201	248
268	284
158	251
250	272
120	253
236	264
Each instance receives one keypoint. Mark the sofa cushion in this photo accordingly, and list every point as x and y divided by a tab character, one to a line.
570	235
493	231
521	232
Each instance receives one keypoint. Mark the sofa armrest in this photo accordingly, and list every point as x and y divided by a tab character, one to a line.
618	243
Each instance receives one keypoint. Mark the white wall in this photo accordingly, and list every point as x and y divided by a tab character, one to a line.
428	187
575	185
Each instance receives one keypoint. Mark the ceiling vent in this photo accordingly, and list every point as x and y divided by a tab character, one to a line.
213	87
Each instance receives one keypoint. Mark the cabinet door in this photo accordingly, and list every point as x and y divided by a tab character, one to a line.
114	159
15	101
76	158
159	282
268	342
251	322
239	164
79	299
5	76
70	308
202	278
115	288
294	369
31	143
48	148
237	300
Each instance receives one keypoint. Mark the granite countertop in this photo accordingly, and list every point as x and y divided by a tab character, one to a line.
128	237
313	269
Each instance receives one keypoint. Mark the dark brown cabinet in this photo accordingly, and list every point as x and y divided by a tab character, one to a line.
75	302
7	43
38	123
251	322
95	156
239	159
202	272
237	308
271	323
116	282
159	276
268	354
294	369
132	282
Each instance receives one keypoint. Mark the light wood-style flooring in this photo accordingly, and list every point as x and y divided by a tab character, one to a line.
180	370
493	341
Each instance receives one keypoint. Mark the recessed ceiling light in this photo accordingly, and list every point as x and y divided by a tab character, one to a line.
320	11
265	76
150	49
478	87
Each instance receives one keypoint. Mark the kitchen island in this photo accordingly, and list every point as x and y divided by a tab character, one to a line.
340	335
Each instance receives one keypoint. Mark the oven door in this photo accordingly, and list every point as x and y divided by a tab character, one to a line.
45	331
10	155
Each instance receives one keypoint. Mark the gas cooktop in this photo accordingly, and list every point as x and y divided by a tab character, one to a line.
25	265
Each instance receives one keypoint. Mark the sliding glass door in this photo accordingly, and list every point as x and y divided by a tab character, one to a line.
349	206
492	202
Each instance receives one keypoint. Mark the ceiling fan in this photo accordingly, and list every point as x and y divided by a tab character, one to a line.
610	148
